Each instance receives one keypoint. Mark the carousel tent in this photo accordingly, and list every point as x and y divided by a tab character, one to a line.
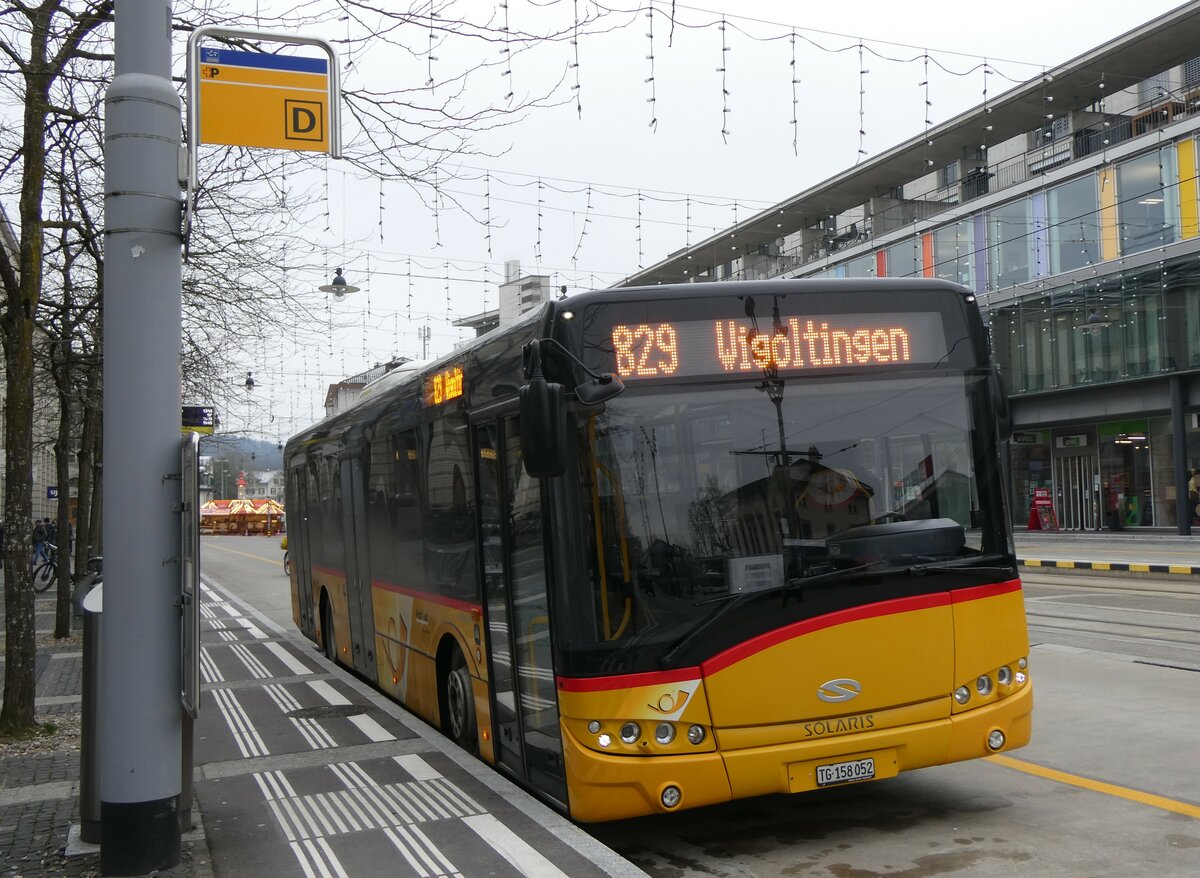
241	516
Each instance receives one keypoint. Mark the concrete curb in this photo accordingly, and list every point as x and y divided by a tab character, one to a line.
1111	566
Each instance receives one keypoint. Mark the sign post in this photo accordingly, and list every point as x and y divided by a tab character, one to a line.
241	98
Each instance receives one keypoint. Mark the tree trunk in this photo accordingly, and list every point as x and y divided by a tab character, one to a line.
62	460
96	536
18	324
87	473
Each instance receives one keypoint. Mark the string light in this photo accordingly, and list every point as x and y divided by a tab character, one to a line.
575	65
487	212
795	98
507	52
429	56
724	84
862	113
652	100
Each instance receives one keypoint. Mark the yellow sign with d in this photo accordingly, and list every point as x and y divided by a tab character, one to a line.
256	99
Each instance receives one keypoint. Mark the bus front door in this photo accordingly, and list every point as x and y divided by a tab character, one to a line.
512	554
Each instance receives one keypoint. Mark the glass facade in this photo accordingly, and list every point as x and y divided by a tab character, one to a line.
1118	325
1073	224
1147	210
1010	243
954	251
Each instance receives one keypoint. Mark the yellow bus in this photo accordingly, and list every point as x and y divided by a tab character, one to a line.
652	549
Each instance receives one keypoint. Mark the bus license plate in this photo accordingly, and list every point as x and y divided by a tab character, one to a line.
845	772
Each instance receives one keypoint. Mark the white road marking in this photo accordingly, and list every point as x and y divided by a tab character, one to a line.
327	692
244	734
291	662
512	847
417	767
372	729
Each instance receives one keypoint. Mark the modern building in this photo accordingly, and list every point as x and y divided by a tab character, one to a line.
1070	206
518	294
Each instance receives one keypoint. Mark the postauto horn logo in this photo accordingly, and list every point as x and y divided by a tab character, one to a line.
839	690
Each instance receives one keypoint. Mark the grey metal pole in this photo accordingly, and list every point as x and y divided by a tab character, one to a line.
141	718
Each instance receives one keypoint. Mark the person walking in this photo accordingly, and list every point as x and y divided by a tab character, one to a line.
40	535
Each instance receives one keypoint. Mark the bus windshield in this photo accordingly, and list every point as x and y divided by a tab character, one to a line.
694	495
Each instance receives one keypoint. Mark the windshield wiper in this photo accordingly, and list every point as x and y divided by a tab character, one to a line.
800	583
793	582
735	598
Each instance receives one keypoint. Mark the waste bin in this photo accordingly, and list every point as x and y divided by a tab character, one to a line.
89	750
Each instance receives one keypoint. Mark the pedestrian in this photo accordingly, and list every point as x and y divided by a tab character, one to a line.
1194	495
39	540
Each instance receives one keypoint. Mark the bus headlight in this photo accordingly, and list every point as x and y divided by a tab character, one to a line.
995	739
1004	676
630	732
695	734
671	796
665	733
594	726
604	740
984	685
962	694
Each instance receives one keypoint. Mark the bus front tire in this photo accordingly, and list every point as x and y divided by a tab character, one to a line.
459	698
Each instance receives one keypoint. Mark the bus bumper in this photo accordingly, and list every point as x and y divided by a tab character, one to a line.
606	787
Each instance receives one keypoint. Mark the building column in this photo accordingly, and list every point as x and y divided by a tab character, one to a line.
1183	513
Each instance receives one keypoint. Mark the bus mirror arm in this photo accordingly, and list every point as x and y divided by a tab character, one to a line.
603	386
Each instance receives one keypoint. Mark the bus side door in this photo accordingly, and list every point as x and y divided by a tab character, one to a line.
358	566
297	537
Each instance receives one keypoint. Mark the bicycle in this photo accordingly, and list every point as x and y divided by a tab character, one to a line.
46	573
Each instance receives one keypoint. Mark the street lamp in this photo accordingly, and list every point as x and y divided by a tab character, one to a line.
339	289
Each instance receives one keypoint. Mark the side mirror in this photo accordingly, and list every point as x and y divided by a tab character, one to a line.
1004	422
599	390
544	428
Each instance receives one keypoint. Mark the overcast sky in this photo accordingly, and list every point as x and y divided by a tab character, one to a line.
693	179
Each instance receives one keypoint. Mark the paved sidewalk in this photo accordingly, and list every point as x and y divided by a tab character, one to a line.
1155	553
300	770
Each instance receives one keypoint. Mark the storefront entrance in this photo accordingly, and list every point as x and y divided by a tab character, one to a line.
1077	492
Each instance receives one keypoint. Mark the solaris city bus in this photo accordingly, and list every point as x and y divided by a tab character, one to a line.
654	548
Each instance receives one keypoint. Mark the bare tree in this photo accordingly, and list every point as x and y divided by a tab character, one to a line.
38	43
250	233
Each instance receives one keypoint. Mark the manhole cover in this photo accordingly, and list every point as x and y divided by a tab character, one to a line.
328	710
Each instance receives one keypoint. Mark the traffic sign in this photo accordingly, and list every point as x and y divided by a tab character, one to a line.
256	99
199	419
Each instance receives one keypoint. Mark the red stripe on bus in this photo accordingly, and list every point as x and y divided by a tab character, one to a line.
627	681
979	592
332	571
757	644
453	603
855	614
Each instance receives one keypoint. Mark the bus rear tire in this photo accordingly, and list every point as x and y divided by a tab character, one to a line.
459	699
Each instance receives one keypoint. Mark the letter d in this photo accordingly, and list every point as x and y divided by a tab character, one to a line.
303	121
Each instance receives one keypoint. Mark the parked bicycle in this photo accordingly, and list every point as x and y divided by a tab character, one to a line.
46	573
287	558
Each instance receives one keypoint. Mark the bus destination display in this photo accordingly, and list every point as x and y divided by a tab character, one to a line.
444	386
679	349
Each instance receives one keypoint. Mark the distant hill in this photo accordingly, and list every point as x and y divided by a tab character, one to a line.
243	452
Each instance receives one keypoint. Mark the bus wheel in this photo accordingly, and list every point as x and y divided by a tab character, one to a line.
327	638
460	703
